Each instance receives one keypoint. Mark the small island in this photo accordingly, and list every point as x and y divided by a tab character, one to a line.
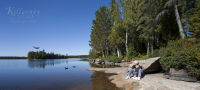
35	55
43	55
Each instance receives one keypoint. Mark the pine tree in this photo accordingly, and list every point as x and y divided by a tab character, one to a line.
133	18
133	27
195	21
101	31
116	37
172	5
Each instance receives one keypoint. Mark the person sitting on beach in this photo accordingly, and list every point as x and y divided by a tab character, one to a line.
136	70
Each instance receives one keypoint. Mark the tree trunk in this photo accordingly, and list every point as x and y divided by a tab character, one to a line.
148	48
180	26
126	41
103	54
118	52
107	52
151	47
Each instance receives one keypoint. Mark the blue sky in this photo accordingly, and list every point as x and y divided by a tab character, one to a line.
60	26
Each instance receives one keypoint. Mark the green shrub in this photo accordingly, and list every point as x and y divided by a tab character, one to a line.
94	54
140	57
112	58
181	54
132	53
115	59
155	53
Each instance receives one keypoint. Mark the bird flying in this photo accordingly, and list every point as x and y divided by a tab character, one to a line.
36	47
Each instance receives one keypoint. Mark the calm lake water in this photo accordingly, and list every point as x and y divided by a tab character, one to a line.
51	74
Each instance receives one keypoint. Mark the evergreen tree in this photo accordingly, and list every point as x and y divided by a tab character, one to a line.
129	28
100	31
172	5
133	18
195	21
116	36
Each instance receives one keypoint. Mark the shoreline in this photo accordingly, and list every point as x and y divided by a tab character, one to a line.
118	78
148	82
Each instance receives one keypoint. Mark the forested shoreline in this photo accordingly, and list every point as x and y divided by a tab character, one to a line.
128	29
34	55
133	27
12	57
44	55
64	57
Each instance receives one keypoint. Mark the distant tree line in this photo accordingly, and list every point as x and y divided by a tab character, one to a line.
44	55
12	57
78	56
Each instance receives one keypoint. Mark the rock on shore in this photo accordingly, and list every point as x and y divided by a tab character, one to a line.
102	62
150	65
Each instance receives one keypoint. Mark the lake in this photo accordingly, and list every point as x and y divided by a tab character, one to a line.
51	74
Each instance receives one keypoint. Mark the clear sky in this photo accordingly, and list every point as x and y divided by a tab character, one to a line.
60	26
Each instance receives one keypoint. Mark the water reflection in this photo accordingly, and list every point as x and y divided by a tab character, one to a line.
100	81
44	63
50	74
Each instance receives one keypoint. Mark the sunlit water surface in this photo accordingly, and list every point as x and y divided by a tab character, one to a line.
51	74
